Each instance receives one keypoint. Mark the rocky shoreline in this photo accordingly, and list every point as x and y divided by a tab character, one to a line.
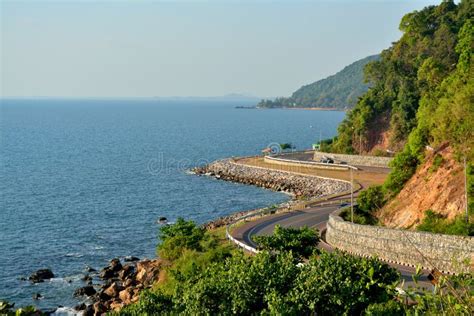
298	185
122	281
121	285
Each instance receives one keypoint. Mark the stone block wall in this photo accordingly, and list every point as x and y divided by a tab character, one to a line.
371	161
451	254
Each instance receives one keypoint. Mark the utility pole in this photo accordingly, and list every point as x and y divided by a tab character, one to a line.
465	190
352	196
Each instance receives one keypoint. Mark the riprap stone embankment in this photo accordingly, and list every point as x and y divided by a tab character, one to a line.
298	185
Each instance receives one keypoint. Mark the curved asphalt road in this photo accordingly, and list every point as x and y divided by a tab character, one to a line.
317	217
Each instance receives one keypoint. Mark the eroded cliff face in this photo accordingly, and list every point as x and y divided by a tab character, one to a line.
437	185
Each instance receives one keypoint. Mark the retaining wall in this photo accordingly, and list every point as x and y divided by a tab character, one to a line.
301	163
452	254
371	161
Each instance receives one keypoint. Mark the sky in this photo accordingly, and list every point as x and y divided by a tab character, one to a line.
194	48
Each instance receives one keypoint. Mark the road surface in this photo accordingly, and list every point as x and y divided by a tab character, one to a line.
315	217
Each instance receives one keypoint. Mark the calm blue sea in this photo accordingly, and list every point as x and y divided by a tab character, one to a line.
83	181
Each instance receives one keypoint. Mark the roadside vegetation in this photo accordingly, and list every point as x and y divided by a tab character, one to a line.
209	276
301	242
368	202
436	223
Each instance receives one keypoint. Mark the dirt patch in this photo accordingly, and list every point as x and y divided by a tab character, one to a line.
438	185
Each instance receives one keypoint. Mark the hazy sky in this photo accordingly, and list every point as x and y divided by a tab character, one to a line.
194	48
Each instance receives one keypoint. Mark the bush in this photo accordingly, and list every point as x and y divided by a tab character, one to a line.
360	217
339	284
451	296
301	241
371	199
403	167
389	308
175	238
437	223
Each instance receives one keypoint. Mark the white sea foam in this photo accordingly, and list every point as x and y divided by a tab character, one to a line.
74	254
66	311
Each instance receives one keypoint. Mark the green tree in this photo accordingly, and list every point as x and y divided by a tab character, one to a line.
371	199
175	238
301	241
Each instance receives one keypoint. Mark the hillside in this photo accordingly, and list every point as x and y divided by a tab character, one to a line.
438	185
339	91
421	96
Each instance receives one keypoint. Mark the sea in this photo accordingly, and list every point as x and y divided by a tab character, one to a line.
84	181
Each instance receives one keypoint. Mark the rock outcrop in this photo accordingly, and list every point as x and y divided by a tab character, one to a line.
121	285
41	275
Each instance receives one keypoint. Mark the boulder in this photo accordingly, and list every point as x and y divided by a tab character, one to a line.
113	290
87	290
107	273
80	307
131	259
99	308
148	271
89	269
129	283
101	296
126	295
127	271
41	275
116	306
115	265
89	311
37	296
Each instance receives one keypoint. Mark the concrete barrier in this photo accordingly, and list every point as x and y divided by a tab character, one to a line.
447	253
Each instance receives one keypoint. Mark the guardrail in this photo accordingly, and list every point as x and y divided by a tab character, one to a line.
262	212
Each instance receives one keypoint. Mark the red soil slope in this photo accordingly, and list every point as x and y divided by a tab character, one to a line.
438	185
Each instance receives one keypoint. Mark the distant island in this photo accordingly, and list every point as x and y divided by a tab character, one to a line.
337	92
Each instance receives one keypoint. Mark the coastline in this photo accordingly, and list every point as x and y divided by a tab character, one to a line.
123	280
305	108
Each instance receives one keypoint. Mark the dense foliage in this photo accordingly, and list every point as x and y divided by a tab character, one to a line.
436	223
301	241
422	85
178	237
371	199
218	279
274	283
339	91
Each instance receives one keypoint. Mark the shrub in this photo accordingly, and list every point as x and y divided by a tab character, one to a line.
389	308
403	167
175	238
437	162
340	284
437	223
301	241
371	199
360	217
